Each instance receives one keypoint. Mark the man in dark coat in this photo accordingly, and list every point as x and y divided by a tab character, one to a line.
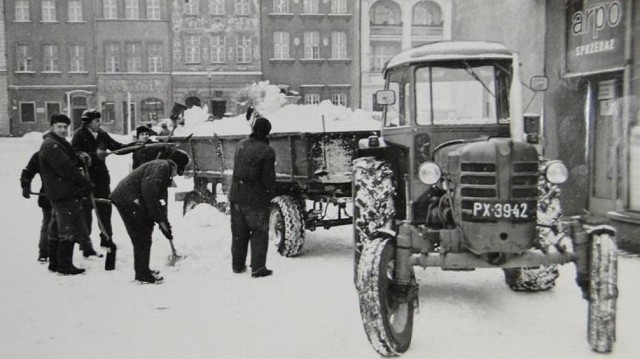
141	200
90	139
146	154
254	178
65	186
28	173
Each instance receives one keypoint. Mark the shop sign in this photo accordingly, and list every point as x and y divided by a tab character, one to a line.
595	35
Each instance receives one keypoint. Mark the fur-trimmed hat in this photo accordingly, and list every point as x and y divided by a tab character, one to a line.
90	115
59	118
181	159
262	127
142	129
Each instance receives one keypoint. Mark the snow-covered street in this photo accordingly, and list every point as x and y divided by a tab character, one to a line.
307	309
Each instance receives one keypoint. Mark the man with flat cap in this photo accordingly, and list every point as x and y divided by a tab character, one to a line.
254	178
66	187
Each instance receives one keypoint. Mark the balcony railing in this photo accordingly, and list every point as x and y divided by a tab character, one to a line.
426	30
386	30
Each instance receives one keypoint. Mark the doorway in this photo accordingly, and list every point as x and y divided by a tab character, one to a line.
605	122
218	108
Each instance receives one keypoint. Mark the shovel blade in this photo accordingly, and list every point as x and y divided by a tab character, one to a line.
173	259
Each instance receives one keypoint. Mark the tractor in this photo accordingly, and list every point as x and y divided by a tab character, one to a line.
456	180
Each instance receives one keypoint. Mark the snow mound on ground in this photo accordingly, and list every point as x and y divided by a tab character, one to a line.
290	118
32	136
201	216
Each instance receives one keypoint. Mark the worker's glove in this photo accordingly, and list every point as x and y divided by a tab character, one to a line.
85	158
101	153
26	192
165	228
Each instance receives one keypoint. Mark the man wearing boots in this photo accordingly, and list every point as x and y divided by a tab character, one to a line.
91	140
28	173
141	200
65	186
251	191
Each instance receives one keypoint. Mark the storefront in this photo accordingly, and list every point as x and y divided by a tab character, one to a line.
591	108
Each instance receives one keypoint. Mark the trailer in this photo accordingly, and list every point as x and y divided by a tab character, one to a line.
313	173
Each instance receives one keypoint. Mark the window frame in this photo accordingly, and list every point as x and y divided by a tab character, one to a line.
242	7
75	13
153	7
49	13
81	55
51	60
312	48
218	6
281	49
339	49
116	56
24	59
220	49
20	114
154	58
282	9
244	48
197	49
191	7
132	9
336	97
46	108
310	6
133	57
24	10
339	7
105	117
110	9
144	111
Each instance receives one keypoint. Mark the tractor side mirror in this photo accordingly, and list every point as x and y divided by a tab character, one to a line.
385	97
532	128
539	83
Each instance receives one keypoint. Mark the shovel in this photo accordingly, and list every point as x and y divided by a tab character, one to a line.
174	257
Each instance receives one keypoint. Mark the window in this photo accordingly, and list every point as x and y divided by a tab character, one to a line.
52	108
216	7
153	10
131	9
22	10
108	111
243	7
312	45
75	11
110	9
50	58
339	99
48	11
134	58
243	46
191	49
339	45
311	99
218	49
76	54
382	54
151	109
427	13
280	6
154	53
397	114
27	112
385	13
23	58
310	7
338	6
112	57
191	7
280	45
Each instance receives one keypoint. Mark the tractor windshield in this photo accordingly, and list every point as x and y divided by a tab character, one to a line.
462	93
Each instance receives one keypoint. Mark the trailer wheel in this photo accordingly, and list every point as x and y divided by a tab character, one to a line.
603	292
286	227
194	198
387	316
373	206
531	279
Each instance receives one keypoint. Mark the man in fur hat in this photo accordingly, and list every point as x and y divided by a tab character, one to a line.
254	178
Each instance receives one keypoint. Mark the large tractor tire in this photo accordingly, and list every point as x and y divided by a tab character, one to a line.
386	316
286	226
531	279
603	291
373	206
196	197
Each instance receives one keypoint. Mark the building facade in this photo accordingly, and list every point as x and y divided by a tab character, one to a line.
5	124
312	47
216	51
593	62
133	47
51	62
388	27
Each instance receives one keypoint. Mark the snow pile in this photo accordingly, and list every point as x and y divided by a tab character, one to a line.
33	137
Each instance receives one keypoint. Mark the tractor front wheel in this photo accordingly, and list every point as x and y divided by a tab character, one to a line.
286	226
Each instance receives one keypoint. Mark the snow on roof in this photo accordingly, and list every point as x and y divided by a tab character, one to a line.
450	50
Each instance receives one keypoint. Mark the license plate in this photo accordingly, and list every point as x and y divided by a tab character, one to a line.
518	210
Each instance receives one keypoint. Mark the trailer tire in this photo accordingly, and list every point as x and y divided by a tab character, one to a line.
386	317
194	198
286	226
373	205
531	279
603	292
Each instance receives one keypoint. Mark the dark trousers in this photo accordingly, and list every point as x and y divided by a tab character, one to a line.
67	221
104	210
43	244
249	223
139	227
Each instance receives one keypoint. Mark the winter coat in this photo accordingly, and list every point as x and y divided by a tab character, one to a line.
83	141
147	154
28	173
254	174
145	190
60	170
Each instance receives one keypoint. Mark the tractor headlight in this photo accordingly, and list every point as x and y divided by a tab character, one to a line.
557	172
429	173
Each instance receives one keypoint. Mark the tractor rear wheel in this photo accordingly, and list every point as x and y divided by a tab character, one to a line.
387	315
286	226
603	292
